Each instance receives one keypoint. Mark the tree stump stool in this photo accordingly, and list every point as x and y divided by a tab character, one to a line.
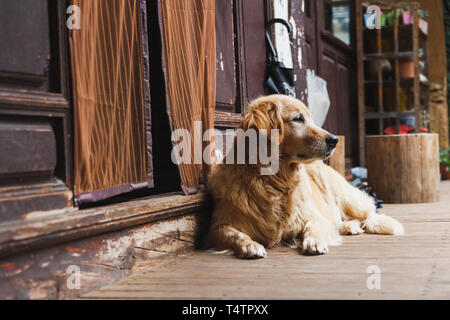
404	168
337	160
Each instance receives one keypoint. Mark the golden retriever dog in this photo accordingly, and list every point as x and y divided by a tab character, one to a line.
305	203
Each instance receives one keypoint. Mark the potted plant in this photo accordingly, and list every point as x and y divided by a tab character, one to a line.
407	17
390	17
406	14
383	19
406	66
444	163
423	24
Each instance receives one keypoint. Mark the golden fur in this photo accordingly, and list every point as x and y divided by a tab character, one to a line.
306	203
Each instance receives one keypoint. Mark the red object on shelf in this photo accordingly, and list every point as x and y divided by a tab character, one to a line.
404	129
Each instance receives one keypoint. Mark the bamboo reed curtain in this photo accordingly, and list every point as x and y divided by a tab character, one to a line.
189	63
111	99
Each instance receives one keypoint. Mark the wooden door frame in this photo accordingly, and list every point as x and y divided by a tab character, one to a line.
36	103
29	193
227	119
328	37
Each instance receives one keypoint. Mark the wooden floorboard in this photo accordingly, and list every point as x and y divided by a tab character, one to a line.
415	266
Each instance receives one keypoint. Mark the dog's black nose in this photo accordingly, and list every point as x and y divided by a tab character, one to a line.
331	141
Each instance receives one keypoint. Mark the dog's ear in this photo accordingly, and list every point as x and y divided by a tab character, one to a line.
264	115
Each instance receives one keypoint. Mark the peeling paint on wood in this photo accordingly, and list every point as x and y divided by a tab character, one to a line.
8	266
75	224
296	19
282	41
102	259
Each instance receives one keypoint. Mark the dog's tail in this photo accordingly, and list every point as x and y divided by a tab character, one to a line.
203	223
382	224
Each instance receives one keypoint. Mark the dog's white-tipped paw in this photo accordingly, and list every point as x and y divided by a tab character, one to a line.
356	231
252	250
399	230
351	228
311	246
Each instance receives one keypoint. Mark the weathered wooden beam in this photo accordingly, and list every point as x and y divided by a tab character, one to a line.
47	273
34	99
39	230
227	119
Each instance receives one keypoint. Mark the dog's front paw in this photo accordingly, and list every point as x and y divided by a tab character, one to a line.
252	250
313	246
351	228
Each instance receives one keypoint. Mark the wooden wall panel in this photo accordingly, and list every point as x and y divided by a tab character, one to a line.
25	42
346	119
35	139
341	119
28	147
329	72
225	56
253	48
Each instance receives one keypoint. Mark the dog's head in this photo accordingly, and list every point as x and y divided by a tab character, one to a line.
300	139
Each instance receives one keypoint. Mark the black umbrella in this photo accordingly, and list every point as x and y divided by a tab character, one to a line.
279	79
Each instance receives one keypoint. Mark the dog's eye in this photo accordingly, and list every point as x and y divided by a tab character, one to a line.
299	119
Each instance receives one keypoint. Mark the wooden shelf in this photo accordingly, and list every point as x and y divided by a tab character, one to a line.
391	28
390	55
391	43
403	81
392	82
386	115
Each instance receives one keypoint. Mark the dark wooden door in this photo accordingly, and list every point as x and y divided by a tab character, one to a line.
240	52
329	45
310	34
35	166
241	56
226	93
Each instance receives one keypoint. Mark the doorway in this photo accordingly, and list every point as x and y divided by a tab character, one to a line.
329	45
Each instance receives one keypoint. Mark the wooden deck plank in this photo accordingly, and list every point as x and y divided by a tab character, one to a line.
416	266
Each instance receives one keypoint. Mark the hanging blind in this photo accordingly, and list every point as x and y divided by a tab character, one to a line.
189	63
111	99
